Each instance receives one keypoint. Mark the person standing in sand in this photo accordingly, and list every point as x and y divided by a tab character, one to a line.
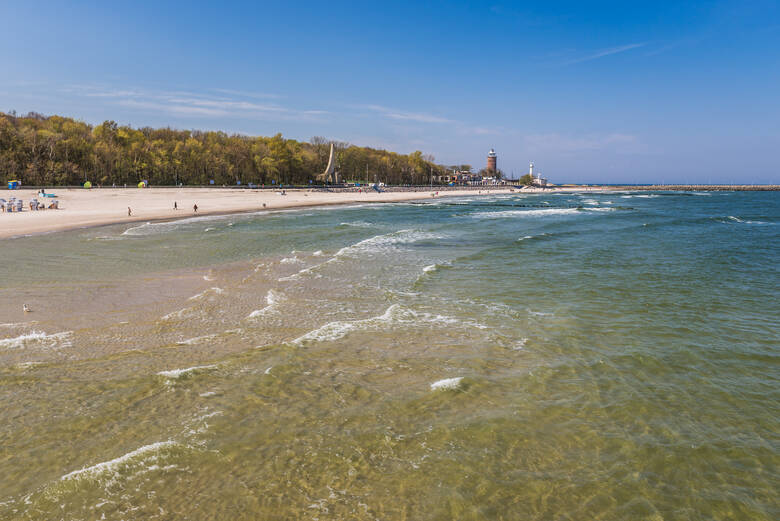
129	212
195	208
174	206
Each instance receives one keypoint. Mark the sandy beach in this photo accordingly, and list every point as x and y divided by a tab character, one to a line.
79	208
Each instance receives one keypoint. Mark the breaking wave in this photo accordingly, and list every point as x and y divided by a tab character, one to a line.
394	315
178	373
385	242
215	290
157	228
196	340
358	224
537	213
272	299
446	384
290	260
38	339
731	218
142	457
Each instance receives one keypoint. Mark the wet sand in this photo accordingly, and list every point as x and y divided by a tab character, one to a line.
80	208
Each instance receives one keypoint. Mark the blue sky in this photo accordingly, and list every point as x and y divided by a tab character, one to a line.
591	92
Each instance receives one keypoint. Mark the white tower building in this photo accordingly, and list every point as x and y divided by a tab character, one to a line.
531	170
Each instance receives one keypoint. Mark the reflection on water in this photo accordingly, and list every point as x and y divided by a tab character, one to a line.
471	358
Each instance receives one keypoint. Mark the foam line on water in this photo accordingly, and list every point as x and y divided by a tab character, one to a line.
544	212
272	300
446	384
61	339
196	340
215	290
17	324
145	453
387	241
290	260
357	224
744	221
155	228
178	373
394	315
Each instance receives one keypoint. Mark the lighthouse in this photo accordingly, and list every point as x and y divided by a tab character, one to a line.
491	161
531	170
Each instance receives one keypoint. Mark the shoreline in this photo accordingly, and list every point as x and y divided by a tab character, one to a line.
82	209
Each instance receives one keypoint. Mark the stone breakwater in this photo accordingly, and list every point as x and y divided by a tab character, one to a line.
700	188
425	188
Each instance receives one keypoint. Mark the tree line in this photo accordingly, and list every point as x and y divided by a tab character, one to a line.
54	150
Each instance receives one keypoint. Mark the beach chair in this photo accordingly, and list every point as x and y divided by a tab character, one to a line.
19	205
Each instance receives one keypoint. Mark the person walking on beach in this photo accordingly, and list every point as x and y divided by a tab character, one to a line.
195	208
174	206
129	212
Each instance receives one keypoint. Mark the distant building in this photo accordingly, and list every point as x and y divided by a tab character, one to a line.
491	161
538	180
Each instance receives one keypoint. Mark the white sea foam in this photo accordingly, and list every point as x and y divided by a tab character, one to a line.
358	224
155	228
196	340
300	273
207	394
386	242
544	212
447	383
268	371
745	221
290	260
178	373
520	344
215	290
430	268
27	365
16	324
176	314
38	339
272	299
394	315
146	454
208	278
317	253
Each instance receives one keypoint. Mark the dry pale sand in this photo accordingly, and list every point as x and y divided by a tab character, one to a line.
82	208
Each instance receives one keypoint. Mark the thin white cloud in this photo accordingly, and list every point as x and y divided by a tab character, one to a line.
567	144
419	117
194	104
247	94
606	52
172	108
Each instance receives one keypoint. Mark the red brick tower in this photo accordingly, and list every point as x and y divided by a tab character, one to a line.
491	162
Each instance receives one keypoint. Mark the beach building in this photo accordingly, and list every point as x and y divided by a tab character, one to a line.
460	177
538	180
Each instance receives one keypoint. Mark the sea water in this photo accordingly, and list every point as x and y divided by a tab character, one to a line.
552	356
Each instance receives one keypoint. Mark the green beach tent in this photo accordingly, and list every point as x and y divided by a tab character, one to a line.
87	184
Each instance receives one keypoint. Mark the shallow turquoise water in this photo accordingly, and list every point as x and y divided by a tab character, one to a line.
580	356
